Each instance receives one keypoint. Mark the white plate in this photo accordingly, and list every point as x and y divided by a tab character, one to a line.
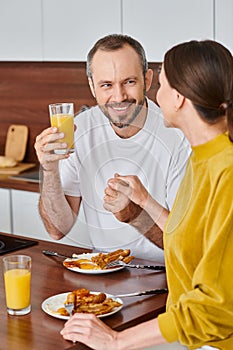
52	304
90	272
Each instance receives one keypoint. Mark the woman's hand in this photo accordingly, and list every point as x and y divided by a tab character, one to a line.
131	187
126	195
91	331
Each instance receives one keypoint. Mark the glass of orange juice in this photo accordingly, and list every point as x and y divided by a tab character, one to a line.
62	117
17	278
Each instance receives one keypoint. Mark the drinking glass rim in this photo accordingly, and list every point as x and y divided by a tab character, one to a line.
61	103
17	260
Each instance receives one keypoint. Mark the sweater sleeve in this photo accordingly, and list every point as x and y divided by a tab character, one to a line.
204	314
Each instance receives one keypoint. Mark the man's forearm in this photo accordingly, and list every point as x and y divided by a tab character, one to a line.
135	216
55	211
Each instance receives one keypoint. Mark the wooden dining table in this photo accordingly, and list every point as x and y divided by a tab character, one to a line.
40	331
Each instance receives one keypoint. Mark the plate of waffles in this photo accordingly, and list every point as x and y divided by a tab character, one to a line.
83	263
96	263
54	305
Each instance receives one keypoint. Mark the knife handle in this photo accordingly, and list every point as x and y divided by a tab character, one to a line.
152	267
156	267
155	291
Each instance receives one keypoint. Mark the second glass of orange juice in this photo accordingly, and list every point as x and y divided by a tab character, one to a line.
17	278
62	117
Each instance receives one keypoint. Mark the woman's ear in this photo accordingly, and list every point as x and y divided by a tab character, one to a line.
179	100
91	85
148	79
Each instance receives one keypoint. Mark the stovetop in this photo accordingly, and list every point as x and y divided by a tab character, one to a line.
9	244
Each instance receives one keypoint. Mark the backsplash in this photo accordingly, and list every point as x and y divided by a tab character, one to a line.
26	89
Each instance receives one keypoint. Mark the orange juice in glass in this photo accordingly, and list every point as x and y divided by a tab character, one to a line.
62	117
17	278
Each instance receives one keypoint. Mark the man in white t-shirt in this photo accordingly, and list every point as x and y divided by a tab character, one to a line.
123	134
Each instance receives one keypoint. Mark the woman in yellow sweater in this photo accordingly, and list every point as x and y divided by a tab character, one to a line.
196	96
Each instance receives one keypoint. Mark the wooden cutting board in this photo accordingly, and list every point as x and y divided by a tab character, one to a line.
16	144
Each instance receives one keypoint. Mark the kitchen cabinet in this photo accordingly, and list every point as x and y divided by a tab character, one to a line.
54	30
5	210
20	30
224	22
27	222
61	30
162	24
70	28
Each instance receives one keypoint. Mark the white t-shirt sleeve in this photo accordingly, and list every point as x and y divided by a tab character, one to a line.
177	170
69	175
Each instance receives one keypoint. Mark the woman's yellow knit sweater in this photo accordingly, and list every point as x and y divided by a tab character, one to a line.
198	242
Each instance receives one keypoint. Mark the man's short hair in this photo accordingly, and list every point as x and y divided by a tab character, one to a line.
114	42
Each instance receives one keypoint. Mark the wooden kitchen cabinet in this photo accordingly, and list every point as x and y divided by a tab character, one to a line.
70	28
5	210
161	24
20	30
26	220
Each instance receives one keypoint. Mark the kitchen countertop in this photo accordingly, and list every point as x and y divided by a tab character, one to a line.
7	182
